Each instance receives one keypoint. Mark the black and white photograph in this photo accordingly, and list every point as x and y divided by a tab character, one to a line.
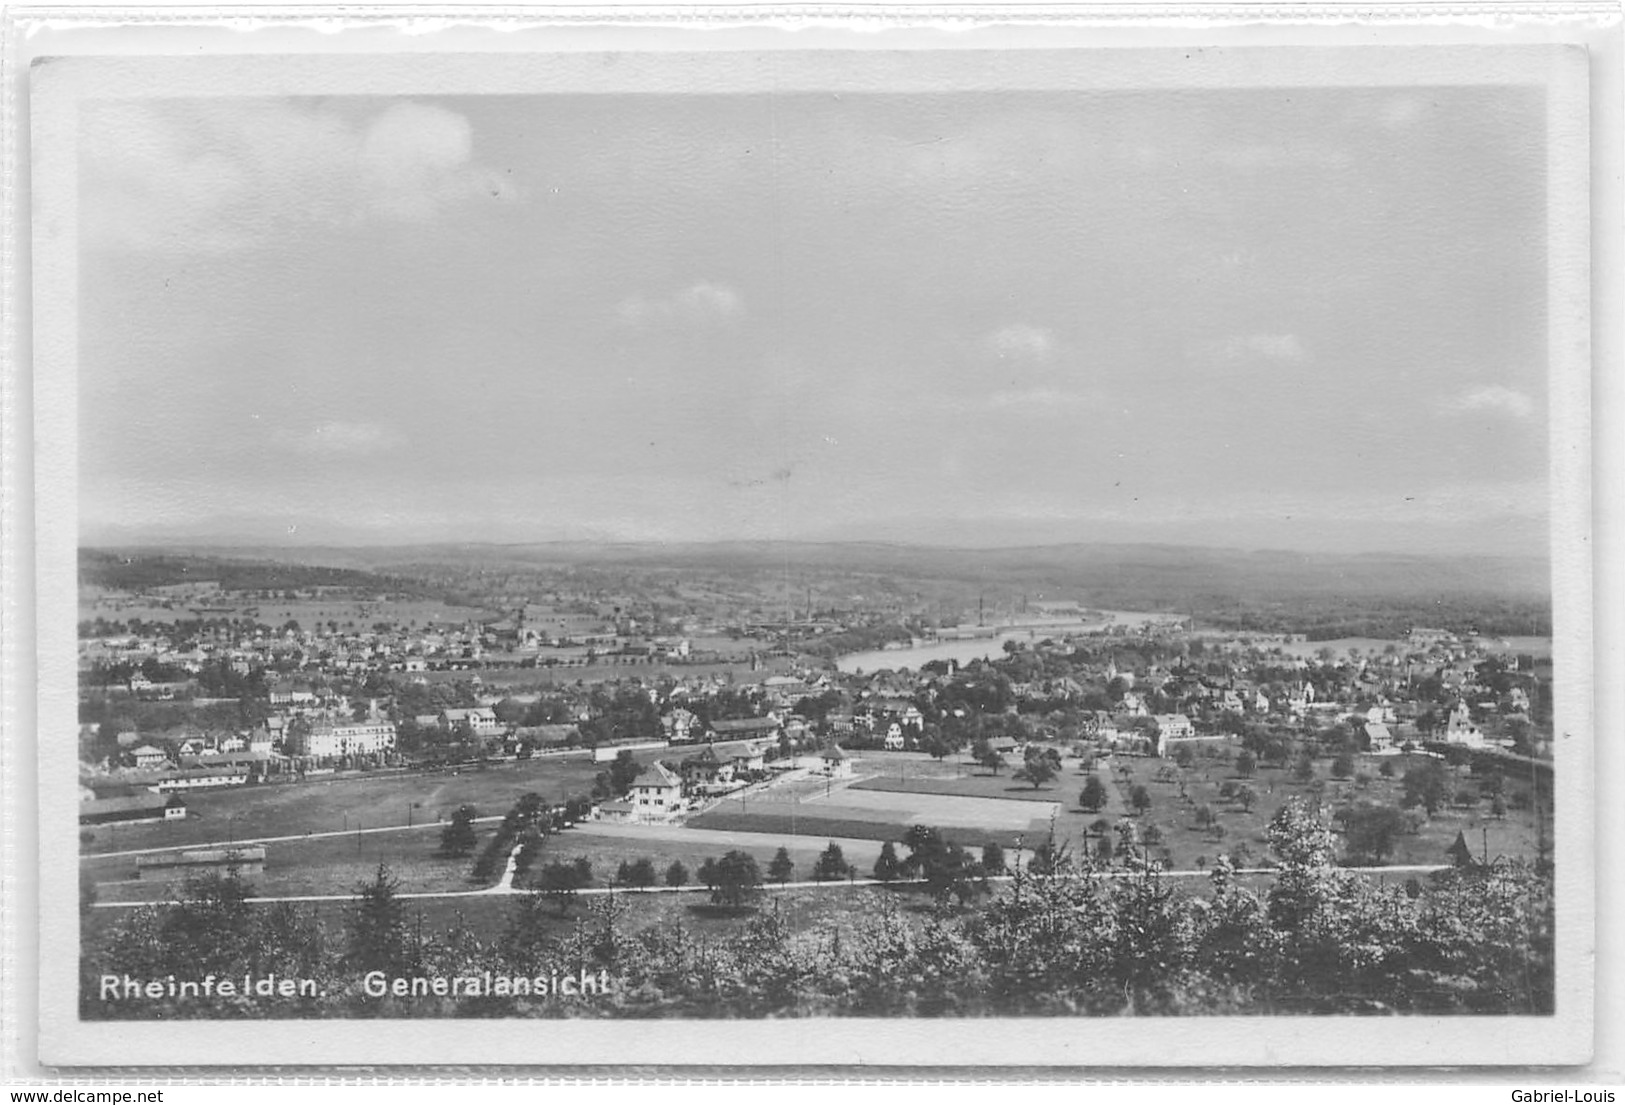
1039	541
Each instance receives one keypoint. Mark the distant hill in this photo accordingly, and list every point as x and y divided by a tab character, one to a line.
136	570
1323	594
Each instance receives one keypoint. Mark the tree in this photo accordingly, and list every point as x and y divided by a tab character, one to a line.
983	753
1049	858
1425	785
1457	756
1094	794
1343	766
1246	763
560	882
377	925
1039	766
1309	885
1246	797
1303	770
993	858
623	771
1370	831
676	874
1140	799
887	866
947	870
782	866
831	864
1184	756
458	838
1386	769
735	879
642	873
1204	816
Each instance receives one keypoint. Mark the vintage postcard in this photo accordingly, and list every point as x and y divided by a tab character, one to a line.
997	546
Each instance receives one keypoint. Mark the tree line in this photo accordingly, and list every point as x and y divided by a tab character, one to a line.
1316	939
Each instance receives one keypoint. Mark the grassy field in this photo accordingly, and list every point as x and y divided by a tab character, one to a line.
1189	845
782	823
330	865
1177	793
344	804
348	613
606	853
969	786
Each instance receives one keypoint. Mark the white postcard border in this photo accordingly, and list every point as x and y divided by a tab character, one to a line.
733	60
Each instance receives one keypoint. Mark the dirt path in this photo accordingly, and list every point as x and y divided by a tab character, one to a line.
247	840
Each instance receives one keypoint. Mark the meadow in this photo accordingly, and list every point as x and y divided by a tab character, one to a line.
348	614
345	804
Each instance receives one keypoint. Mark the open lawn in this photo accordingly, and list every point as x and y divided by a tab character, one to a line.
946	810
606	853
775	820
330	865
374	801
972	786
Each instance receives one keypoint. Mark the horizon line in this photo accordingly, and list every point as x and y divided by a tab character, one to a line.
244	545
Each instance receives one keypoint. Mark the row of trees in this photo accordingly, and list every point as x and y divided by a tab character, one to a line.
1317	939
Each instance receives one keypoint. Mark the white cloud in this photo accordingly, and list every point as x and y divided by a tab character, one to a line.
1280	349
210	175
1494	399
1022	342
1040	400
696	304
340	439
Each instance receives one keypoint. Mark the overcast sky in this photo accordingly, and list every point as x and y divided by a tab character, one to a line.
1291	318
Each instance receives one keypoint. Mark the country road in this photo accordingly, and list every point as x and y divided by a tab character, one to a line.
506	887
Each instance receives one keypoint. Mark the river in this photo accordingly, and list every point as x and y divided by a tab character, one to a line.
985	648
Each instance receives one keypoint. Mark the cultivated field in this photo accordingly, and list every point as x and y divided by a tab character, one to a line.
1516	835
977	785
944	809
371	801
348	614
325	865
897	781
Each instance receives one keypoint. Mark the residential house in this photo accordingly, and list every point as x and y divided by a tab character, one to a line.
679	724
657	794
1461	730
837	764
148	756
707	769
325	739
744	755
1379	736
482	720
